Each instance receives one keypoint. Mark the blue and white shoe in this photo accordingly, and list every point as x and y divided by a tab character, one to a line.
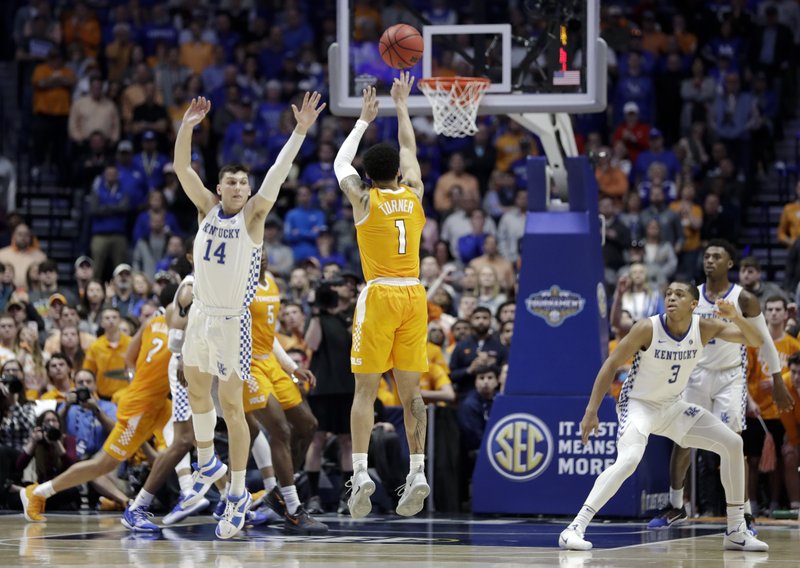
257	518
137	519
202	480
235	515
220	508
180	511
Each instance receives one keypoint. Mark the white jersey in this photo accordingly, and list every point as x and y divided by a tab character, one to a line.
226	263
719	354
660	373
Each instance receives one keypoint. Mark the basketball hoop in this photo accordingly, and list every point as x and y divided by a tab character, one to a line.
455	102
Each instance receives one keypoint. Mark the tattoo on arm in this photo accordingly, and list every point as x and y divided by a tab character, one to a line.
420	414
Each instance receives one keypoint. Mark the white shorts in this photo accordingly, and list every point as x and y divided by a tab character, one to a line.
218	344
181	410
669	419
722	393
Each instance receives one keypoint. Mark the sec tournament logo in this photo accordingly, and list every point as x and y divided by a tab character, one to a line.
520	447
555	305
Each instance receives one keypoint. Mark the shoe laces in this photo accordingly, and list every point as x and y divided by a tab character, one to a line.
230	510
140	514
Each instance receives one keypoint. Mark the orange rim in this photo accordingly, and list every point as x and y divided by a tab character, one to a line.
460	83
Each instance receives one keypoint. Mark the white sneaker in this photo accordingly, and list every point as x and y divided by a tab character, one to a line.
180	511
234	517
571	538
415	491
743	540
361	488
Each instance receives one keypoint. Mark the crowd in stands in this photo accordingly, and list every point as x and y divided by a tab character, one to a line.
698	94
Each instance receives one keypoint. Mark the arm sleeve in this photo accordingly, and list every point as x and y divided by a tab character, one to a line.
768	350
343	164
286	362
280	169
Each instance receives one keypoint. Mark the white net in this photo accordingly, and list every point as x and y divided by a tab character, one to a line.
455	102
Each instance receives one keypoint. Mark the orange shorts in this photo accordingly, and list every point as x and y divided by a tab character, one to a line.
271	380
135	428
390	330
257	388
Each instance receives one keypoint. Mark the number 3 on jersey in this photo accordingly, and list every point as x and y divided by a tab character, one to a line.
219	252
675	370
401	236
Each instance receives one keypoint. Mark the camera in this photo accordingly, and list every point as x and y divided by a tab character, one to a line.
325	297
83	394
13	383
53	434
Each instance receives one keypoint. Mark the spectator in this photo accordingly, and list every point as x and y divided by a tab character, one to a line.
506	333
250	153
152	248
635	295
93	113
491	257
150	121
481	155
734	115
122	297
81	25
87	418
789	225
691	216
33	361
170	74
319	175
196	52
750	279
470	246
459	223
52	84
48	285
512	227
280	257
659	256
656	153
150	162
695	149
616	242
119	52
297	34
718	223
454	179
473	415
611	180
489	295
327	253
21	254
293	327
17	414
69	318
303	224
8	333
156	204
84	272
59	378
109	204
479	349
106	356
697	93
670	221
509	146
633	133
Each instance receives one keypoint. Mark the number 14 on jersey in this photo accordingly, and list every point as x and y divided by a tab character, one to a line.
219	252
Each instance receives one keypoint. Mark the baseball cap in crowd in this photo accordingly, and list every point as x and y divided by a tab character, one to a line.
122	268
655	133
125	146
630	106
163	275
15	304
149	135
48	266
81	260
168	168
57	298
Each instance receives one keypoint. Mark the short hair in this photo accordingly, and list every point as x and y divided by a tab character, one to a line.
503	305
794	359
232	169
483	369
381	162
747	262
167	294
458	321
723	244
48	266
776	298
55	356
481	310
695	293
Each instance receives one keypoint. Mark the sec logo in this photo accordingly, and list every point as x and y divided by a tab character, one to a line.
520	447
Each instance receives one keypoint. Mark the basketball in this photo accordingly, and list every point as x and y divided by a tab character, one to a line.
401	46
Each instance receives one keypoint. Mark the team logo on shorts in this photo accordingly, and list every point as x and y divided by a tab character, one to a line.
221	369
692	411
555	305
520	447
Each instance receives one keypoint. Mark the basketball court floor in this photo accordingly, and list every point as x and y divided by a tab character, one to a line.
99	540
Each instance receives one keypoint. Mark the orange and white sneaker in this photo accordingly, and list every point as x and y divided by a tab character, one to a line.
32	505
106	504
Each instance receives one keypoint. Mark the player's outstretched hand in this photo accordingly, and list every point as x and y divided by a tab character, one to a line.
589	425
306	376
726	309
369	105
780	394
307	115
197	111
401	88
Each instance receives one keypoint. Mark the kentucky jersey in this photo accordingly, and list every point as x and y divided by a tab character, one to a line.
264	310
389	236
226	261
720	354
661	372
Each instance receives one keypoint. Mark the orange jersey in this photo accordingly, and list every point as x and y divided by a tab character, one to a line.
389	236
264	309
436	357
759	381
150	380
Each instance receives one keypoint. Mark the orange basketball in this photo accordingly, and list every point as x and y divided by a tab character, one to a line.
401	46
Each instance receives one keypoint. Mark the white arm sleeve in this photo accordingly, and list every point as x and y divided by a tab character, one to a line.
280	169
286	362
768	350
343	164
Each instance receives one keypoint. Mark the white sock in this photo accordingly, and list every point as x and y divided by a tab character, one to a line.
262	454
237	484
224	494
735	518
204	455
204	425
417	463
747	509
676	497
583	518
359	462
290	496
45	490
270	483
143	499
185	481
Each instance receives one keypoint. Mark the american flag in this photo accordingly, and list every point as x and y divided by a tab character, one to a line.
566	78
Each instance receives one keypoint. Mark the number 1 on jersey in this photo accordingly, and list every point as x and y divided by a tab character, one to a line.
401	235
219	253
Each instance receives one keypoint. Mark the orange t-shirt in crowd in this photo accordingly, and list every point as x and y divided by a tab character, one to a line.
52	101
759	381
